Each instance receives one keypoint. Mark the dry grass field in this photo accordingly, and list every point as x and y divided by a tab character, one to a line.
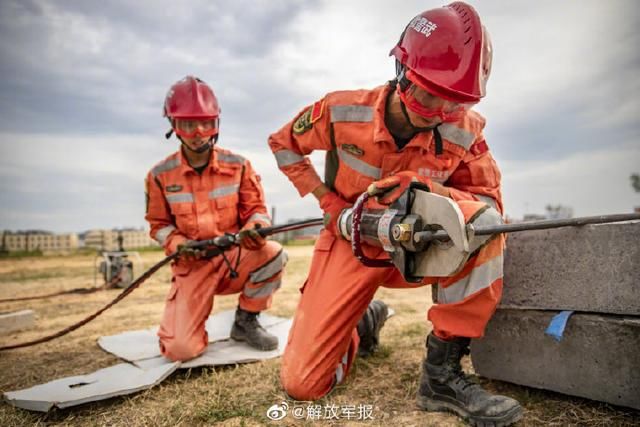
232	395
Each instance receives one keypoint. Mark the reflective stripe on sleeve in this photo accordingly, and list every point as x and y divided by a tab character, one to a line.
230	158
260	217
163	233
456	135
287	157
165	166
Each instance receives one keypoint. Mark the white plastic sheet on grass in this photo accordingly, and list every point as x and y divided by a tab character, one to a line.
148	367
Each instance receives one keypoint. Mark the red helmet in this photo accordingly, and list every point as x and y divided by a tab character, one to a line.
447	52
191	98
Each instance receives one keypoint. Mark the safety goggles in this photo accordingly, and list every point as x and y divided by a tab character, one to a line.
429	106
192	128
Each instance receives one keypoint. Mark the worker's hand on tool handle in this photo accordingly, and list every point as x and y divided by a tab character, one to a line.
188	253
332	205
390	188
250	239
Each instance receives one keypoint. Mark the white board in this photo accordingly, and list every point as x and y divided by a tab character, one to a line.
149	368
118	380
138	345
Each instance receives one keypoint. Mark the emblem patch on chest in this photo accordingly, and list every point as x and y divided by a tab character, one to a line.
353	149
174	188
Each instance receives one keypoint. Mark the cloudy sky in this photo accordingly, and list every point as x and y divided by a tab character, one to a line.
83	82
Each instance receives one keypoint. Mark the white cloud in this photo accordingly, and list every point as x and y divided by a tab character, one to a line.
83	86
592	183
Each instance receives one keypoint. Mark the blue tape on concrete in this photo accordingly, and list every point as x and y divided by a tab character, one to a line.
557	325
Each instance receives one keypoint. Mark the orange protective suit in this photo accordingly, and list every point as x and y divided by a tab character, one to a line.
183	205
350	126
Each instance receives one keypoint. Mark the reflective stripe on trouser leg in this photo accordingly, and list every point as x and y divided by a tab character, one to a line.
467	300
342	368
263	282
334	298
255	297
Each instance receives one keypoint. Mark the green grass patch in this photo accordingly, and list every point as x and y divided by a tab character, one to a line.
31	275
306	242
21	254
148	249
215	415
412	330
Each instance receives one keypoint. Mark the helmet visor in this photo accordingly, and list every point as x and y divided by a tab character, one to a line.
191	128
429	106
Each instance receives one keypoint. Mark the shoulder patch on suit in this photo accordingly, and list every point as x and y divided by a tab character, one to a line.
228	157
316	111
303	123
479	147
173	188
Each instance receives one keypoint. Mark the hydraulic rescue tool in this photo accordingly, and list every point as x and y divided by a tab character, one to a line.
425	234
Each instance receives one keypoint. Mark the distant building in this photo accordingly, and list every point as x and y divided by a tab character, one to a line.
107	240
35	240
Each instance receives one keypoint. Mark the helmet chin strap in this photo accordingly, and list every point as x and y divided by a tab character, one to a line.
206	147
415	129
402	84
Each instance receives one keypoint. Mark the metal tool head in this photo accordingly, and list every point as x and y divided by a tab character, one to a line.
440	259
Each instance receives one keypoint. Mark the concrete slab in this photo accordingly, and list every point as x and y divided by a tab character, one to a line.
593	268
143	344
16	321
597	358
117	380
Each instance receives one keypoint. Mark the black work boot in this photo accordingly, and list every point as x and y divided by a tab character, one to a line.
369	327
444	387
246	328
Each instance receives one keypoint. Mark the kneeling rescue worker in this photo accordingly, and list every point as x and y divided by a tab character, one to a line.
418	127
200	192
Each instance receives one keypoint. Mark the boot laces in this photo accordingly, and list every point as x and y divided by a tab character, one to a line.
465	380
459	376
251	320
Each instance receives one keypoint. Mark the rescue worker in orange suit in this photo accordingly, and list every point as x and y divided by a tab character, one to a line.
418	127
200	192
